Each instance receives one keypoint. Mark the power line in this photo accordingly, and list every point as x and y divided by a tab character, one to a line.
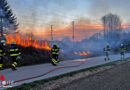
58	13
41	20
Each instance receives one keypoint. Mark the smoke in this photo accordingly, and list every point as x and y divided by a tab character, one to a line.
84	27
83	20
98	9
102	7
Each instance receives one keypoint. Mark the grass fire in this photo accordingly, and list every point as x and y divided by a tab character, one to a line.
26	41
82	53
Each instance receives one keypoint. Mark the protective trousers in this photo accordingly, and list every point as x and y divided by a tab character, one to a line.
122	55
1	62
55	58
14	62
107	56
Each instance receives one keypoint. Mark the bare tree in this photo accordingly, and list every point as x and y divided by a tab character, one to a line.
112	27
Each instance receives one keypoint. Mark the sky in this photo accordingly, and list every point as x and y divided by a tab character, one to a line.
37	16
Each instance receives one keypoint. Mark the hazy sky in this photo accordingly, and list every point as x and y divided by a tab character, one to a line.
37	15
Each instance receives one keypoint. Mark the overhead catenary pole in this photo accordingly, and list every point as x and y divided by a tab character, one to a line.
104	24
1	23
51	32
73	37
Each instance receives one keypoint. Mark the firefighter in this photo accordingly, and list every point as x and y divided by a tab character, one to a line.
122	50
106	50
14	54
55	54
2	53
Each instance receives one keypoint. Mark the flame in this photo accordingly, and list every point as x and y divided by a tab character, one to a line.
75	53
88	52
26	42
82	53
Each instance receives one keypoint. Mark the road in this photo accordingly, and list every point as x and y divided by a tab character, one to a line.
37	72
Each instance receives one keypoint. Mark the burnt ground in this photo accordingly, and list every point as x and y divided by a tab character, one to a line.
117	78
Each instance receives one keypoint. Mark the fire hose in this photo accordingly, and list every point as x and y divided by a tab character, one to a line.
54	69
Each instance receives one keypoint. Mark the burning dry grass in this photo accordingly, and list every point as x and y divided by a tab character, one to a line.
37	52
26	42
33	51
82	53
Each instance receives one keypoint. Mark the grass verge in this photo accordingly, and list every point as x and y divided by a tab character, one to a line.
28	86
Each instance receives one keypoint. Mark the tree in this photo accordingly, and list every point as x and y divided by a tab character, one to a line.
112	27
8	21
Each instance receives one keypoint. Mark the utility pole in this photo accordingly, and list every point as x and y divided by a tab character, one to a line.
104	24
1	23
51	32
73	37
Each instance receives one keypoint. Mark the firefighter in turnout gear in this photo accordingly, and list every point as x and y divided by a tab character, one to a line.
2	53
106	50
122	50
14	54
55	54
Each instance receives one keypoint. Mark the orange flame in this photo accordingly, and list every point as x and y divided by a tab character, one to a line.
75	53
26	42
88	52
82	53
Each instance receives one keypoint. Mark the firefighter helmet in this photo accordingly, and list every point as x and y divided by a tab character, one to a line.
122	44
12	42
2	41
54	45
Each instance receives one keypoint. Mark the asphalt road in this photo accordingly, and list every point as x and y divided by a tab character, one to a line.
42	71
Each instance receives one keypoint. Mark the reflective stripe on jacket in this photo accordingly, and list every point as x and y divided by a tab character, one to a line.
106	49
122	49
1	53
14	52
55	51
